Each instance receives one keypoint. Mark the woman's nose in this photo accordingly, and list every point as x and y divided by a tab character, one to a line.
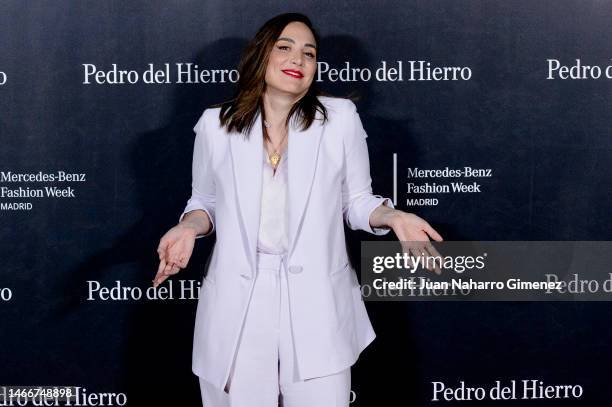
298	59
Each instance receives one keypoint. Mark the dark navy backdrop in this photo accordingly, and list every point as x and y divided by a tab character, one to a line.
544	140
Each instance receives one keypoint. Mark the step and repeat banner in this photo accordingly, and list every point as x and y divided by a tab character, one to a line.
490	119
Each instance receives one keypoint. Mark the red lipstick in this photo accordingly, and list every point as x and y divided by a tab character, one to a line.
293	73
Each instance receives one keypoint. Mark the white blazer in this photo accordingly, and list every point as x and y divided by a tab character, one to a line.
329	180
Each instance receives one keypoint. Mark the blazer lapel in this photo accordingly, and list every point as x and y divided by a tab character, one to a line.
247	155
303	155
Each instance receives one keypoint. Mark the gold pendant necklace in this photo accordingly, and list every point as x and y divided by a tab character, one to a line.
275	157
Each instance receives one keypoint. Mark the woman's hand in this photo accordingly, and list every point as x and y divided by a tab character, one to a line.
175	249
409	227
412	231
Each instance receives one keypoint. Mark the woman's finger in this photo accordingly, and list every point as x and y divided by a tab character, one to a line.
406	249
162	248
162	266
167	268
431	249
429	263
159	279
434	259
175	269
415	255
177	258
432	232
182	261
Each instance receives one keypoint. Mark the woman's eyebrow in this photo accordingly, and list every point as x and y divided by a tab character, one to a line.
290	40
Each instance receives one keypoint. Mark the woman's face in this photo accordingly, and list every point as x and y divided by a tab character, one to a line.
293	61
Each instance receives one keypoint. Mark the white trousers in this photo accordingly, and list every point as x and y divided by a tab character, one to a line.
264	372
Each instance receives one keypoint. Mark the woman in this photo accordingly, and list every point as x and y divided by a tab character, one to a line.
276	169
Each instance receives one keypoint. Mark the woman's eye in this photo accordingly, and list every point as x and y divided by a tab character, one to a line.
310	54
283	47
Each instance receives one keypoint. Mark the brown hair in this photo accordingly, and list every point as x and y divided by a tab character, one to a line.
239	113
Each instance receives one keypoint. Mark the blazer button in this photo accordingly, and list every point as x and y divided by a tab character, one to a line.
295	269
246	276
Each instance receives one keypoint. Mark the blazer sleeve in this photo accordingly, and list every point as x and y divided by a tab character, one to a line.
358	202
202	179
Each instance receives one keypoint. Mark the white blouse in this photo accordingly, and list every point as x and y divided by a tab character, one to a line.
274	220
